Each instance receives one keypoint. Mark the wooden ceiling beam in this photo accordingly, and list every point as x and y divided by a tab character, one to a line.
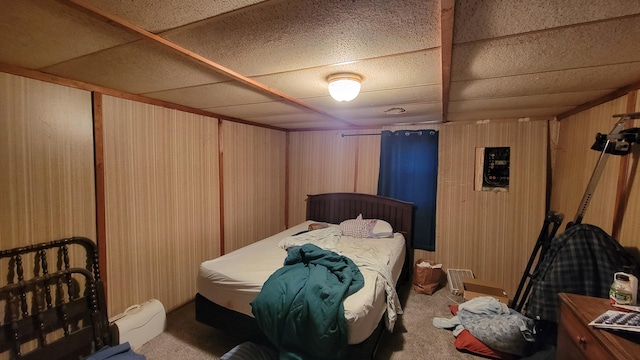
87	7
446	47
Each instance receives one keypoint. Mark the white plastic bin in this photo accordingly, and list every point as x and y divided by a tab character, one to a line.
140	323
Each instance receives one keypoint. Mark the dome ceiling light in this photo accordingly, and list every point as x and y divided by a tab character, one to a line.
344	86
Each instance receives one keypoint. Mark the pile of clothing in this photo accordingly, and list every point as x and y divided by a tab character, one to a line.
492	323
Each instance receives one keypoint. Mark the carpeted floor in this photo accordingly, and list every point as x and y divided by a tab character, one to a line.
414	336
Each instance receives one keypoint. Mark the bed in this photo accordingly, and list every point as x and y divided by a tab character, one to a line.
227	285
52	307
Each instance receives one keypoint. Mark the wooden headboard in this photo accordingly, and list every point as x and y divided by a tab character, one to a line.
336	207
57	310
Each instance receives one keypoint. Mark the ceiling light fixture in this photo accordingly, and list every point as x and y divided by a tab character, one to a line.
344	86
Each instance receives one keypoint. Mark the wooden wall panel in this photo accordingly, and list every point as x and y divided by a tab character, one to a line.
46	146
46	173
576	161
367	166
575	165
630	228
351	162
491	233
162	201
495	244
254	183
319	162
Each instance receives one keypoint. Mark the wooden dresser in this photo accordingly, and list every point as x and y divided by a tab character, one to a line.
577	340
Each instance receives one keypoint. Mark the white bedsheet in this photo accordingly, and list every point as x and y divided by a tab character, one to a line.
235	279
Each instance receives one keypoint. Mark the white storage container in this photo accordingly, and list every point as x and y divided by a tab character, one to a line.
140	323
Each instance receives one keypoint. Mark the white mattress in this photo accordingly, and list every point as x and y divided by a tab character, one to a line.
235	279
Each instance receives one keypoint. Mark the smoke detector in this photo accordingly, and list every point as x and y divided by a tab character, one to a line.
395	111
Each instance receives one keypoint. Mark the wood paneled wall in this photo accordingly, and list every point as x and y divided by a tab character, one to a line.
631	192
576	162
319	162
254	171
46	162
493	234
162	201
46	173
163	184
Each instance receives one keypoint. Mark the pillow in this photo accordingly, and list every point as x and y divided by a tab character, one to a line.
357	228
382	229
467	342
316	226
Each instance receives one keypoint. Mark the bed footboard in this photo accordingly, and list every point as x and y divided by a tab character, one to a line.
52	307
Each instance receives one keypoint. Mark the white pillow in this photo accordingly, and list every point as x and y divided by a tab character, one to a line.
382	229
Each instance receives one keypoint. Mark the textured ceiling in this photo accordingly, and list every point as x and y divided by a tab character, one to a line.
266	62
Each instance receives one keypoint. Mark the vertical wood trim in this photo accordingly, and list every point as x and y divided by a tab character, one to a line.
623	176
355	165
221	182
479	165
98	150
287	160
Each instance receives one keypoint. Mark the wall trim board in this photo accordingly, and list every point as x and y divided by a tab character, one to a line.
98	154
611	96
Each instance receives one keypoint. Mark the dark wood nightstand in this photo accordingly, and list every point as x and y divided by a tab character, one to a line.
577	340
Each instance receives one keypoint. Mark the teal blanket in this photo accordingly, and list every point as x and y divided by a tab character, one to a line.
300	307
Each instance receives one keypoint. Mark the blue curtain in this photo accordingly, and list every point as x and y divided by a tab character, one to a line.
409	172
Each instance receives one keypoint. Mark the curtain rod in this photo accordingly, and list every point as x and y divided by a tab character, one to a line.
419	132
370	134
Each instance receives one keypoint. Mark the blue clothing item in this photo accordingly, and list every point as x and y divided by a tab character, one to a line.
484	305
250	351
118	352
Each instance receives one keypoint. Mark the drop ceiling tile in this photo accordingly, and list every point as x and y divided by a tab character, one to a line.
376	115
485	19
247	111
382	98
392	72
286	121
352	114
426	119
608	77
312	125
226	93
36	34
548	113
156	16
139	67
290	35
595	44
525	102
